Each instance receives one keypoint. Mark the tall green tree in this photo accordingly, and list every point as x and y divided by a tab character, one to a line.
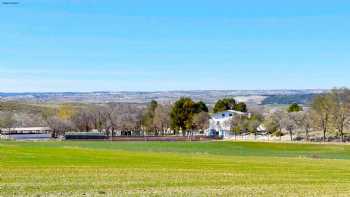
229	104
201	107
224	104
241	106
183	112
295	108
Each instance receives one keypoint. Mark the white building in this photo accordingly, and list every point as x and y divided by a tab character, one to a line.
26	133
220	123
25	130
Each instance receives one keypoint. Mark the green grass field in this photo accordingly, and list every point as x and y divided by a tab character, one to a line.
173	169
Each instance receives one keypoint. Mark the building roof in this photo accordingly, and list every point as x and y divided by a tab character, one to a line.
218	115
27	129
232	111
238	112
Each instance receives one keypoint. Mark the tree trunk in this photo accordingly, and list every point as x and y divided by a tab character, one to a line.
307	134
342	136
291	135
325	125
341	131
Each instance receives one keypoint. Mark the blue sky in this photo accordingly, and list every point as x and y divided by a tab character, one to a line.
90	45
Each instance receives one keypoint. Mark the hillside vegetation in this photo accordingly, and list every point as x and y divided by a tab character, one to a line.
304	99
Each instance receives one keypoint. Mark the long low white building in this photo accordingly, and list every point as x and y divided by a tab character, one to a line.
25	130
26	133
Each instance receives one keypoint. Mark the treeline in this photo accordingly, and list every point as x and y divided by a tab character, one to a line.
328	117
185	117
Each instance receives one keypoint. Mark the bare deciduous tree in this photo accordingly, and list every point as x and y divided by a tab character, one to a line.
290	123
340	110
59	127
322	109
29	119
83	120
304	121
201	121
7	121
279	117
161	119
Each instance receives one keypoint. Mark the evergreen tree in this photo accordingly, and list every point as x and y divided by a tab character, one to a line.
295	108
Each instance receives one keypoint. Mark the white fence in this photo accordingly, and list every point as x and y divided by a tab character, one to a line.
257	138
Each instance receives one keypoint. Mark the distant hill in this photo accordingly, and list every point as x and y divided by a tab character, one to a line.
304	99
208	96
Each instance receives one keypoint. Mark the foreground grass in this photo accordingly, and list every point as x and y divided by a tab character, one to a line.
173	169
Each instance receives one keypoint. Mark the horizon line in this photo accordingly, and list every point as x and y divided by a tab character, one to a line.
151	91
